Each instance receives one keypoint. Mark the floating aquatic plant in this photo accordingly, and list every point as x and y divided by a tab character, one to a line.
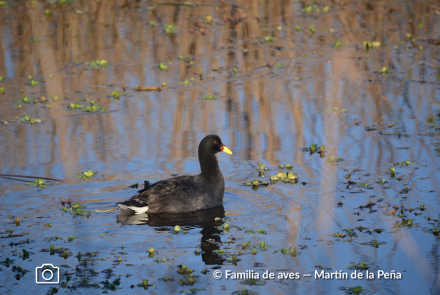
99	63
77	209
384	71
256	184
170	29
353	290
252	282
29	120
74	106
188	82
393	170
163	67
373	243
314	148
292	251
86	175
334	159
33	83
40	183
116	95
268	39
290	177
360	265
335	109
94	108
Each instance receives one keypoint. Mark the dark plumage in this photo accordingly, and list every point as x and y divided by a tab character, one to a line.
185	193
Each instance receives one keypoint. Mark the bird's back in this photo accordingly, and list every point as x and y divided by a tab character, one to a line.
179	194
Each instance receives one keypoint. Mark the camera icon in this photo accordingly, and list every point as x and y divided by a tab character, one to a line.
47	274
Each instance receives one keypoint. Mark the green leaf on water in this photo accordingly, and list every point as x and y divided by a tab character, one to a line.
86	175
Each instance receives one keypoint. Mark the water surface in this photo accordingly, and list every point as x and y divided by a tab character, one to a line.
271	97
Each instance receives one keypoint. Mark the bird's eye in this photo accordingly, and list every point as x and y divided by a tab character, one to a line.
216	142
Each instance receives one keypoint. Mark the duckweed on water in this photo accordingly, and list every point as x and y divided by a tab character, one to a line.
314	148
74	106
27	119
353	290
261	171
393	170
209	97
360	265
292	251
268	39
170	29
252	282
187	82
289	177
99	63
384	71
311	8
335	109
373	243
116	95
86	175
163	66
244	292
33	83
77	209
39	183
256	184
334	159
94	108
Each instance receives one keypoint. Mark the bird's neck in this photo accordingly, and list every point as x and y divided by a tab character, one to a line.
209	165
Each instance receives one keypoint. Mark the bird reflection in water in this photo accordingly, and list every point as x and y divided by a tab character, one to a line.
204	219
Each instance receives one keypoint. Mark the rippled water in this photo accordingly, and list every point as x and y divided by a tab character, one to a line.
270	99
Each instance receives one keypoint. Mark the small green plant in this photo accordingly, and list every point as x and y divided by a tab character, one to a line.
334	159
208	20
39	183
170	29
116	95
384	71
163	67
78	209
261	172
309	9
292	251
74	106
188	82
268	39
337	44
86	175
99	63
94	108
27	119
360	265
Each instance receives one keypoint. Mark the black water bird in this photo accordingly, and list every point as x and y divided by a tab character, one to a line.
185	193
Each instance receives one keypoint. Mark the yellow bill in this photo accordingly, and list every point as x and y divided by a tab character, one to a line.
226	150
